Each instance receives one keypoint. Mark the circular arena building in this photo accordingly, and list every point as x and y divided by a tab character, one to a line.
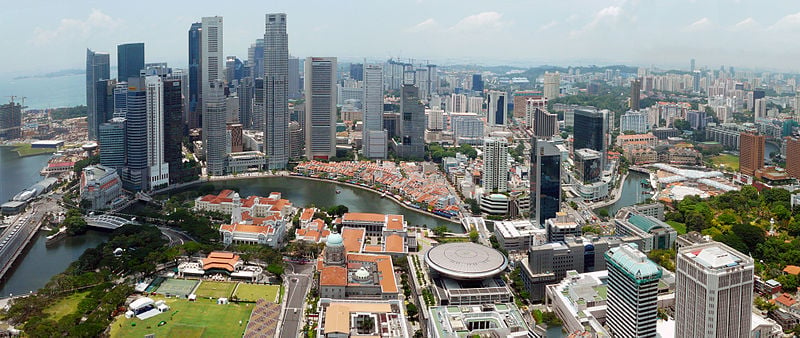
466	261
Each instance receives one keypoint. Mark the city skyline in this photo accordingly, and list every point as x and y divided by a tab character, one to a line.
661	34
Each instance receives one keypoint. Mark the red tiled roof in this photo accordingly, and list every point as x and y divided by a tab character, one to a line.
333	276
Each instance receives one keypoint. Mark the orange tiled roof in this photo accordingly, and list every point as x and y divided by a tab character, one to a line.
785	299
353	237
363	217
220	260
394	243
792	269
385	268
307	214
395	222
333	276
373	248
253	229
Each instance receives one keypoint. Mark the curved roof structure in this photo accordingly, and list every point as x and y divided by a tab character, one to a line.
466	261
335	240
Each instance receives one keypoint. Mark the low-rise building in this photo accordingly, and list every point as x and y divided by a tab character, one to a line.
518	235
340	318
344	274
655	234
101	186
561	226
501	320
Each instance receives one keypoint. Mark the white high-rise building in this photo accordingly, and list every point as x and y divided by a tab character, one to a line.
496	108
495	164
760	108
158	167
714	291
211	82
374	137
552	82
632	292
458	103
276	91
320	89
435	119
635	121
475	105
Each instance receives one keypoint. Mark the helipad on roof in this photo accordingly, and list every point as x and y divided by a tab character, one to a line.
466	260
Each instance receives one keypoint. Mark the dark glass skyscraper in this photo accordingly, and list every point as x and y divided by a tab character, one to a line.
10	120
194	75
112	143
135	173
357	71
592	128
477	83
97	68
173	128
130	60
412	123
545	177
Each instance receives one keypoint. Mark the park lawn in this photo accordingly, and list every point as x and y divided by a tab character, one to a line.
254	292
729	161
65	306
202	318
678	226
215	289
25	149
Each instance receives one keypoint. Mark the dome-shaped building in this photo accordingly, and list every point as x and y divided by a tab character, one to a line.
334	250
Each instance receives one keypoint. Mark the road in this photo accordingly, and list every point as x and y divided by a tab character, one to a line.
298	283
175	237
16	236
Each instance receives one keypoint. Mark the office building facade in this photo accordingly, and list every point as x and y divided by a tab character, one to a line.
545	124
552	82
173	127
374	137
636	88
632	292
195	98
751	153
130	60
495	164
496	108
158	169
10	120
276	87
135	171
412	124
111	140
634	121
714	291
213	96
98	68
320	89
545	180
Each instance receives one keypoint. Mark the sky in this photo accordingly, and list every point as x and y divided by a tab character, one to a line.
44	36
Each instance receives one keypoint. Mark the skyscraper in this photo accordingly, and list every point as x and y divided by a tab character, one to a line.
135	136
213	94
245	92
545	180
636	88
552	83
594	130
477	83
130	60
793	157
294	78
97	68
112	143
255	57
10	120
121	99
173	128
412	123
632	292
357	71
374	136
320	83
751	153
495	164
545	125
158	169
276	86
713	291
195	97
496	108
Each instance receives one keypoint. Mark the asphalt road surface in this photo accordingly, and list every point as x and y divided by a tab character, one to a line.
295	300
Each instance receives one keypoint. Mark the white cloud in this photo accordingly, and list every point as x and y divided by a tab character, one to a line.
548	25
699	25
609	14
480	22
746	24
791	21
71	28
428	24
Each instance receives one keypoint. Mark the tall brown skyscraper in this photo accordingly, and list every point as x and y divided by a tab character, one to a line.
751	153
793	157
636	88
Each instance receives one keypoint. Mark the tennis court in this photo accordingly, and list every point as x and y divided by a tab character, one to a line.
177	287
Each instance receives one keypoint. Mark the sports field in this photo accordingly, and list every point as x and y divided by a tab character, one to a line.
176	287
254	292
215	289
201	318
727	161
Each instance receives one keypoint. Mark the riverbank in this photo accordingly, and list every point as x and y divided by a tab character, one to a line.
25	149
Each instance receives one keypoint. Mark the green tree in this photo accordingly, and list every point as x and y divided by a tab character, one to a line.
473	235
440	231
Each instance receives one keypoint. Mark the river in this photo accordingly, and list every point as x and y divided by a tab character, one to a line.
40	262
631	192
302	192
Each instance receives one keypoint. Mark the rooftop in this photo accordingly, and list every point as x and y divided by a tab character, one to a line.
715	256
633	262
466	260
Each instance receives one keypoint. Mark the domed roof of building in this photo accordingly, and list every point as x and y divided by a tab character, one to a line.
362	273
335	240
